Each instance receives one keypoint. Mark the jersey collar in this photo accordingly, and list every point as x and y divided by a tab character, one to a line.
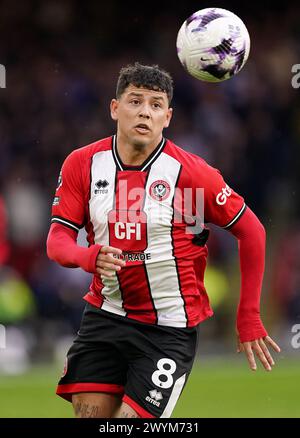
143	167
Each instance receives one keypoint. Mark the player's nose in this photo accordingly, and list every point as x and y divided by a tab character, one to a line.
144	115
145	112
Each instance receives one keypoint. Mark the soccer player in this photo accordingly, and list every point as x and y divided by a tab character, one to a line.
141	200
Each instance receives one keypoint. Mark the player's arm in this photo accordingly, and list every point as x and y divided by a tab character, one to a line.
68	216
62	247
252	336
227	209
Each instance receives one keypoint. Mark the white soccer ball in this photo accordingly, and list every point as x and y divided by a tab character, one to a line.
213	44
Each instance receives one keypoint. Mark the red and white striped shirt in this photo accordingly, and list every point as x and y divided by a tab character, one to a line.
152	213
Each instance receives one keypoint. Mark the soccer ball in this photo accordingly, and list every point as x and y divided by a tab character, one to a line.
213	44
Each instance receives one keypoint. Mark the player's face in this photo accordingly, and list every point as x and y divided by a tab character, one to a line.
142	115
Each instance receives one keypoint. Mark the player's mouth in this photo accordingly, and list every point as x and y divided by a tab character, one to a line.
142	128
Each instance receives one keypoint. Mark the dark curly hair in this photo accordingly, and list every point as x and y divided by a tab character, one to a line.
147	76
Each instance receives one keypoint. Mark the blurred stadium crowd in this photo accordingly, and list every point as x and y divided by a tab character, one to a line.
62	60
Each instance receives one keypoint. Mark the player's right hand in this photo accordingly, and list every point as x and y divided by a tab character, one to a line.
106	264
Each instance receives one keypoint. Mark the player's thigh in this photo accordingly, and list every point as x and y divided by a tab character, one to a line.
95	405
93	363
155	380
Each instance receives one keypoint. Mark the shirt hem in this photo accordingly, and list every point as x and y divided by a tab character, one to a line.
97	302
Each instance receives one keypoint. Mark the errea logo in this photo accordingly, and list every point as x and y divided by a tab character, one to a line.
223	195
101	186
154	398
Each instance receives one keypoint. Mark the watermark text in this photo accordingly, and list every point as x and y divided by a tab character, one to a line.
296	78
2	336
295	342
2	76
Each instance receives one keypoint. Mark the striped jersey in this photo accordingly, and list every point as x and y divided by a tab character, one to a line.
155	213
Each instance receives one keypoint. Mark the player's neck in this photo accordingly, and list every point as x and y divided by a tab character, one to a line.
133	154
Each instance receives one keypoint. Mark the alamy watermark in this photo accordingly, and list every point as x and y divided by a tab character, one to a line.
2	76
295	342
296	78
185	207
2	336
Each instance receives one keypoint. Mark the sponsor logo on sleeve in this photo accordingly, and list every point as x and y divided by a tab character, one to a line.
223	195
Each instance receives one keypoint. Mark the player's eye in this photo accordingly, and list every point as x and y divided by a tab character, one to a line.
157	105
135	101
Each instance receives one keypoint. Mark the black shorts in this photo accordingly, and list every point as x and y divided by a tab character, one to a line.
147	365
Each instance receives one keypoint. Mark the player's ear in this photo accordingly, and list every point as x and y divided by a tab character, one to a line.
114	109
169	117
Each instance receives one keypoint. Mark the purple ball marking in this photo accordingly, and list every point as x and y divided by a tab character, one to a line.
193	17
210	16
239	59
205	19
217	70
223	49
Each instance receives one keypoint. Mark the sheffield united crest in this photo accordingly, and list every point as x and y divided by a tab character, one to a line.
160	190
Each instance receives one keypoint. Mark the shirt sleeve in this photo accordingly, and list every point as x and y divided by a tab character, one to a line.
68	206
222	205
62	248
251	237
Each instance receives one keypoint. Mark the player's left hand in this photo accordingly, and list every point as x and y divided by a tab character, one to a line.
259	347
